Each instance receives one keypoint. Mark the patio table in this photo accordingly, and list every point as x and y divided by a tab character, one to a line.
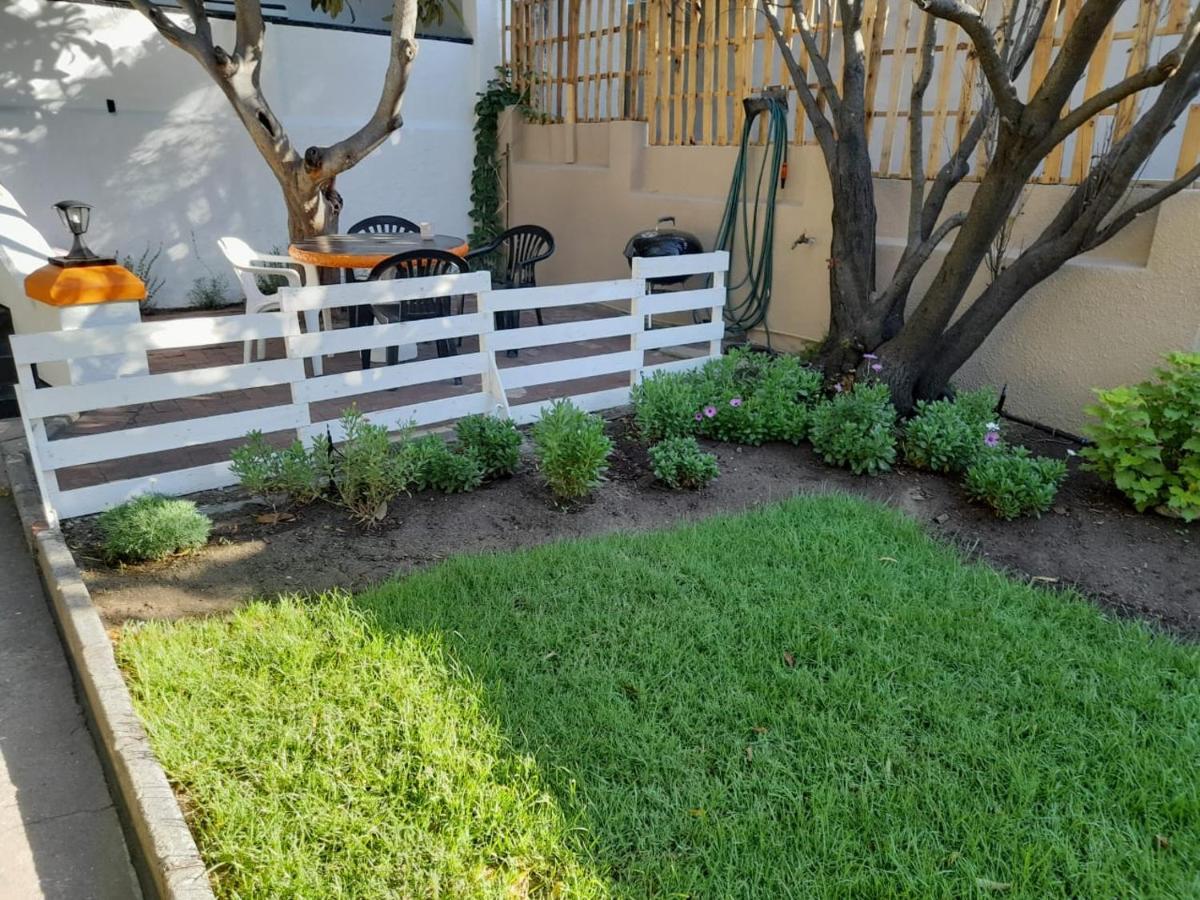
365	251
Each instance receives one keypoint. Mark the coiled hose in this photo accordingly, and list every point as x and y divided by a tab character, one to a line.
749	295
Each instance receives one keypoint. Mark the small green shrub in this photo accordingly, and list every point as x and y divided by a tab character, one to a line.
680	463
436	466
1014	483
664	405
270	284
495	443
296	474
749	397
370	472
856	429
948	435
152	527
209	292
1147	440
572	450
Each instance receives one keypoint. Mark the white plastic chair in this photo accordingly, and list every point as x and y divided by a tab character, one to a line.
249	265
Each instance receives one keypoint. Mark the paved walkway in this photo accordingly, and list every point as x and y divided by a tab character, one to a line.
59	834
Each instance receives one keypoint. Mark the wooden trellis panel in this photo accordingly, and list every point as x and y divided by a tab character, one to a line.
685	65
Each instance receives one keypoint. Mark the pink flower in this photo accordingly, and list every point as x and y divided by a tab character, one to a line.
877	367
710	411
870	356
838	387
992	438
735	402
699	418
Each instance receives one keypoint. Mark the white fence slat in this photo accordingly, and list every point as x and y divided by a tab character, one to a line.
347	340
90	448
170	334
72	398
681	301
390	291
676	365
591	402
385	378
563	333
85	500
676	266
568	369
681	334
554	295
416	414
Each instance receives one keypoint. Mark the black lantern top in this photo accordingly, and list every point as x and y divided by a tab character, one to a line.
76	215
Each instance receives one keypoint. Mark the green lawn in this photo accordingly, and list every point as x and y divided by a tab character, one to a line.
810	700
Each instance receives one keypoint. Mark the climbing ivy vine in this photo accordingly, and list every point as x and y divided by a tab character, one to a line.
485	177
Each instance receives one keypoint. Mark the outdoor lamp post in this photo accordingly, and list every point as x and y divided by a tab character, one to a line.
76	215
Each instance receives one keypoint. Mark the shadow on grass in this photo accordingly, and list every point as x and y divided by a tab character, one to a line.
812	699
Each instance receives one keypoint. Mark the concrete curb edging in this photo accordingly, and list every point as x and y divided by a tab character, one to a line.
163	851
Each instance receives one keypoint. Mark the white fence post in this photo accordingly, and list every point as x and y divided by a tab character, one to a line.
493	384
639	324
35	437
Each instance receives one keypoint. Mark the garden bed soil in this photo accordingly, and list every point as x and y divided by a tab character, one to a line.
1134	565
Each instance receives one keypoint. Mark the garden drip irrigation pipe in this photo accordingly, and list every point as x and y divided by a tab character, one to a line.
748	297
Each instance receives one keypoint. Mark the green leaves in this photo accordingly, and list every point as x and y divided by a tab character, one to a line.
1013	483
572	450
152	527
680	464
947	435
485	175
496	443
1147	440
856	430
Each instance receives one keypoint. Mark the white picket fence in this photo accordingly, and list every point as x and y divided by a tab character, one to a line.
51	455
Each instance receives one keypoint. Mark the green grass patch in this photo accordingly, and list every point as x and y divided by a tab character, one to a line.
809	700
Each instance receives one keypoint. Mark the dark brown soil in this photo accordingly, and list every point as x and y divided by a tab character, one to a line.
1134	565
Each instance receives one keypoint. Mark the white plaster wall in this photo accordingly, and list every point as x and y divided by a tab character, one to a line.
174	160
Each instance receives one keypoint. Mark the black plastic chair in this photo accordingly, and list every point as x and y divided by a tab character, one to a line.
379	225
415	264
512	259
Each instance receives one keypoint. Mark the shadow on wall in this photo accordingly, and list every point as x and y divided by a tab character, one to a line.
157	170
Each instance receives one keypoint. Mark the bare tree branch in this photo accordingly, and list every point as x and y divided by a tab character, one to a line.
1142	207
1110	96
250	31
812	108
181	38
818	55
198	15
914	258
916	126
1072	60
970	20
326	162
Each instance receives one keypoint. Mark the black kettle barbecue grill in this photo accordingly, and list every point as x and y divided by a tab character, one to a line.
661	241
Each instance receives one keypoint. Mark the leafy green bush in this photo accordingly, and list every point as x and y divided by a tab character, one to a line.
748	397
856	429
680	463
572	449
436	466
1147	442
664	405
948	435
369	473
152	527
297	474
495	443
1014	483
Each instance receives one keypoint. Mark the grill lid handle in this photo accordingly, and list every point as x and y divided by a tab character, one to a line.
670	219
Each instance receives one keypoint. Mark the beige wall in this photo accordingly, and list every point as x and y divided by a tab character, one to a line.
1103	320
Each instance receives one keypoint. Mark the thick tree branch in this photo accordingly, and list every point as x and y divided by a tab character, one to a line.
970	20
914	258
1110	96
1072	59
812	108
181	38
324	163
250	31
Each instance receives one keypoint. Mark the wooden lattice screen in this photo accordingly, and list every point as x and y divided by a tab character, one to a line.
683	67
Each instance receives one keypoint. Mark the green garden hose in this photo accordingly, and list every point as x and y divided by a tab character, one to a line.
748	296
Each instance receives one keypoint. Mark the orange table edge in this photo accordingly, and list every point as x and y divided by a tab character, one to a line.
351	260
